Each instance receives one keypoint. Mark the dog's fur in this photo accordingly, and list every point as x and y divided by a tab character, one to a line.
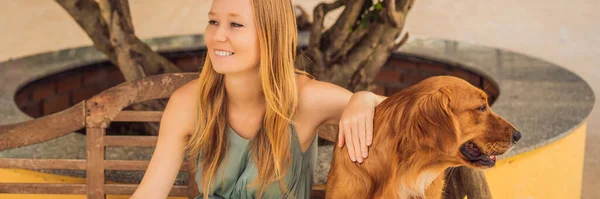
418	133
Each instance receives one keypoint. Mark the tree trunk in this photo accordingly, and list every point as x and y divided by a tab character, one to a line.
108	23
353	50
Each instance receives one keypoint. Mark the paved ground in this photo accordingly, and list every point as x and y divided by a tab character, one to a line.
563	32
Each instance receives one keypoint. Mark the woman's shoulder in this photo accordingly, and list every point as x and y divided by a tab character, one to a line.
315	92
182	106
306	88
187	93
319	98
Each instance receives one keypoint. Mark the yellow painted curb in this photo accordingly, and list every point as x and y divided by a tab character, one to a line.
554	171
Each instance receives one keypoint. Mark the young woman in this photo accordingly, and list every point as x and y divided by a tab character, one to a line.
250	119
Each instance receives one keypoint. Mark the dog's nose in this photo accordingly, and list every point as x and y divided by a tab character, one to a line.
516	136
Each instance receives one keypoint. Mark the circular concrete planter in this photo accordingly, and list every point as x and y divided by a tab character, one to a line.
546	102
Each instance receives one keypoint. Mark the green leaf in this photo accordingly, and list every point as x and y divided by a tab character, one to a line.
378	6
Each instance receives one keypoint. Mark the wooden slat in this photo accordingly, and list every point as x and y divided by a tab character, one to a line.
126	165
128	189
43	163
192	185
65	164
130	140
328	132
319	187
95	160
50	188
134	165
42	188
138	116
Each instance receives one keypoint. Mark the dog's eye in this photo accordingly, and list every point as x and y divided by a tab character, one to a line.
482	108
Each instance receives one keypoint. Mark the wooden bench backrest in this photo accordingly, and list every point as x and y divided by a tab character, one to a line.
95	115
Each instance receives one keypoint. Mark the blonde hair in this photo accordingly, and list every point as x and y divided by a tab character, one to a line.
270	148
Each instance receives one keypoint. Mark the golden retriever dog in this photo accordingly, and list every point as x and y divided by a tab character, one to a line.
419	132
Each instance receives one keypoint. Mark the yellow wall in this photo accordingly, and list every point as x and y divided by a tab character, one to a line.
550	172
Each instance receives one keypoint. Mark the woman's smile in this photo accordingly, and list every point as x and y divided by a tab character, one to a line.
222	53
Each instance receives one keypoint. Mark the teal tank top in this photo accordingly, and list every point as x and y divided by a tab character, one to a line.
238	170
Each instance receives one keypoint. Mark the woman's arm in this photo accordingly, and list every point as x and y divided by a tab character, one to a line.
175	125
353	112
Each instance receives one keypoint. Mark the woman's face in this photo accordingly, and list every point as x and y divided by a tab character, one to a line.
231	37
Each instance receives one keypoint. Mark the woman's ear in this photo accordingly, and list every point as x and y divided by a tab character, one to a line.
431	123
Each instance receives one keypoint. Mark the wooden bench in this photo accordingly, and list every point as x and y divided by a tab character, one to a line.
95	115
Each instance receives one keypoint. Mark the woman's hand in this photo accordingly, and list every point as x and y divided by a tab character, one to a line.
356	124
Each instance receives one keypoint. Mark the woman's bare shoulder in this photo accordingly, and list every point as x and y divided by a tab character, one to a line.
182	106
320	100
186	95
304	89
189	89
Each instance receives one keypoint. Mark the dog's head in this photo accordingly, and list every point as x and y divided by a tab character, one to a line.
451	118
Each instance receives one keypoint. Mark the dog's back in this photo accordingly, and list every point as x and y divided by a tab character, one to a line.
418	133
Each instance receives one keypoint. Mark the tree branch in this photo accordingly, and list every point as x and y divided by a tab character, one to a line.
401	42
108	23
377	59
314	47
365	47
302	19
352	40
363	78
87	14
95	22
315	38
396	11
341	72
122	37
338	33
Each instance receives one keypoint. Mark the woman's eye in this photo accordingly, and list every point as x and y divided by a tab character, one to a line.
236	25
212	22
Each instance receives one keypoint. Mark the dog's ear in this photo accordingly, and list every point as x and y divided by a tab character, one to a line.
431	123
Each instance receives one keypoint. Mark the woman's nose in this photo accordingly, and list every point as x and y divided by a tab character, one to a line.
220	34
